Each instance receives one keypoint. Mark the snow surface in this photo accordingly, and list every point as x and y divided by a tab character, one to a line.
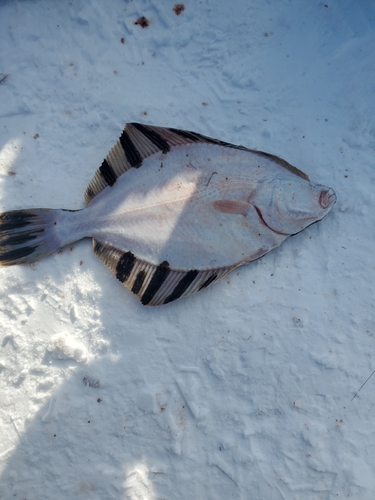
246	390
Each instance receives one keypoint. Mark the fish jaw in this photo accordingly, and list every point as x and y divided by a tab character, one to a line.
327	198
289	206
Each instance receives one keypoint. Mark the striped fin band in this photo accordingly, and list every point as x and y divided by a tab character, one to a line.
155	285
138	142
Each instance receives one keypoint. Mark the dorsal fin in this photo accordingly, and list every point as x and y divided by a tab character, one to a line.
155	285
284	164
138	142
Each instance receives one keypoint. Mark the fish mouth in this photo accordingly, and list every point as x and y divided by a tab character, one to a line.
327	198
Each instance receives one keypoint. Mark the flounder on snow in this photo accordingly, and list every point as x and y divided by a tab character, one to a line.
170	212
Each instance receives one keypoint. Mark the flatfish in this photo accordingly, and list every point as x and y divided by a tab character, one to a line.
171	212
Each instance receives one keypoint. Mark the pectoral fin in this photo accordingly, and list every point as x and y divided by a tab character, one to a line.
232	206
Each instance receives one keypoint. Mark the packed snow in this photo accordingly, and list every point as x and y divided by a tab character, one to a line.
252	389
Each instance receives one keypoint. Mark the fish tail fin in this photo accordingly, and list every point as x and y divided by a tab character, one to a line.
27	235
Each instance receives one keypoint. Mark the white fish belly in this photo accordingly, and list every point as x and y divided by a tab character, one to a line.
164	211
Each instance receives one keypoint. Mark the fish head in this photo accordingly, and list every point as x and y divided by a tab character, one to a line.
288	205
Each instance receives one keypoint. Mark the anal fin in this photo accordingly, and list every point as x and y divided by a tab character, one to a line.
155	284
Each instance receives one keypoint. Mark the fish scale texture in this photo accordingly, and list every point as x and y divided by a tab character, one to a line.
244	390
